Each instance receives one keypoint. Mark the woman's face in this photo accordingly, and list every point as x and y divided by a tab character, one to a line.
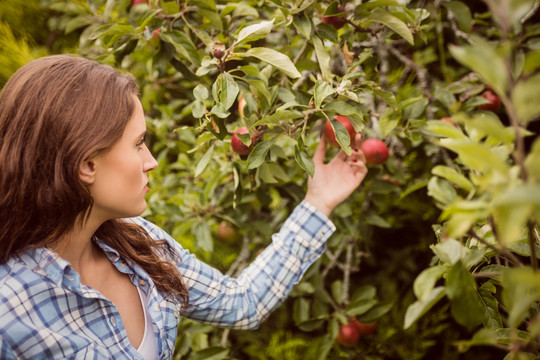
120	180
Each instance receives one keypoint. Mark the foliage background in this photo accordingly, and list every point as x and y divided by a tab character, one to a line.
439	246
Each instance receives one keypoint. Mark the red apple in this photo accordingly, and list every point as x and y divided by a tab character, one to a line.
348	334
136	2
241	106
336	21
238	146
448	120
494	101
365	329
227	233
375	150
329	133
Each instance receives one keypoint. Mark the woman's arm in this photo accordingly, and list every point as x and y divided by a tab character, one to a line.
244	302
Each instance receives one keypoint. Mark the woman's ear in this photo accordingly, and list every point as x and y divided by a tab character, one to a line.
87	171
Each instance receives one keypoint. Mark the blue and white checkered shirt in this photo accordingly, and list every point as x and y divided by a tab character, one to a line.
46	313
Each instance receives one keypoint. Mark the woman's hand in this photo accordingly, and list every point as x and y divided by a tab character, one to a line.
333	182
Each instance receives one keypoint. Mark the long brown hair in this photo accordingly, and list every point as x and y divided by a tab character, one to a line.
55	112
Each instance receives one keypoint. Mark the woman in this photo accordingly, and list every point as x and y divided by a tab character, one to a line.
81	275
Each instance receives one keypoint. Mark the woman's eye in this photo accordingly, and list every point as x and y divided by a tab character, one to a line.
140	143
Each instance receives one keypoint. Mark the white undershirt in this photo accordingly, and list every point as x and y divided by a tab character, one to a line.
148	346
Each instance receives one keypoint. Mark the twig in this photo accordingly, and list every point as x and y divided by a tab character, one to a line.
502	251
531	226
531	12
333	259
347	273
295	60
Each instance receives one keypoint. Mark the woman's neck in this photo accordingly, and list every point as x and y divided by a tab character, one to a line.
77	246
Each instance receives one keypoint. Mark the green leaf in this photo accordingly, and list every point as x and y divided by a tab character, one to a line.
476	56
322	91
264	173
488	124
384	17
449	251
229	90
255	31
203	162
301	310
376	220
513	208
197	109
304	160
461	290
332	9
477	156
365	292
491	317
413	188
525	98
425	281
420	307
452	176
441	190
200	92
220	111
444	129
532	162
343	108
183	45
342	135
512	11
258	154
303	25
203	236
360	307
323	58
274	58
481	337
375	312
462	14
278	116
388	121
210	353
337	291
78	22
521	289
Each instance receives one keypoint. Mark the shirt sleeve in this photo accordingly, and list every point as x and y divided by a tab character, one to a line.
5	350
245	301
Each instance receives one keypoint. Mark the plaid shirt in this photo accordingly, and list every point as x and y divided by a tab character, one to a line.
46	313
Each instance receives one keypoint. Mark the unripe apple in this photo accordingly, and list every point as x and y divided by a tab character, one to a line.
218	50
494	101
375	150
329	133
238	146
348	334
227	233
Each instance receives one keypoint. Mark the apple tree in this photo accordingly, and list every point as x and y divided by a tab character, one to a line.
435	256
